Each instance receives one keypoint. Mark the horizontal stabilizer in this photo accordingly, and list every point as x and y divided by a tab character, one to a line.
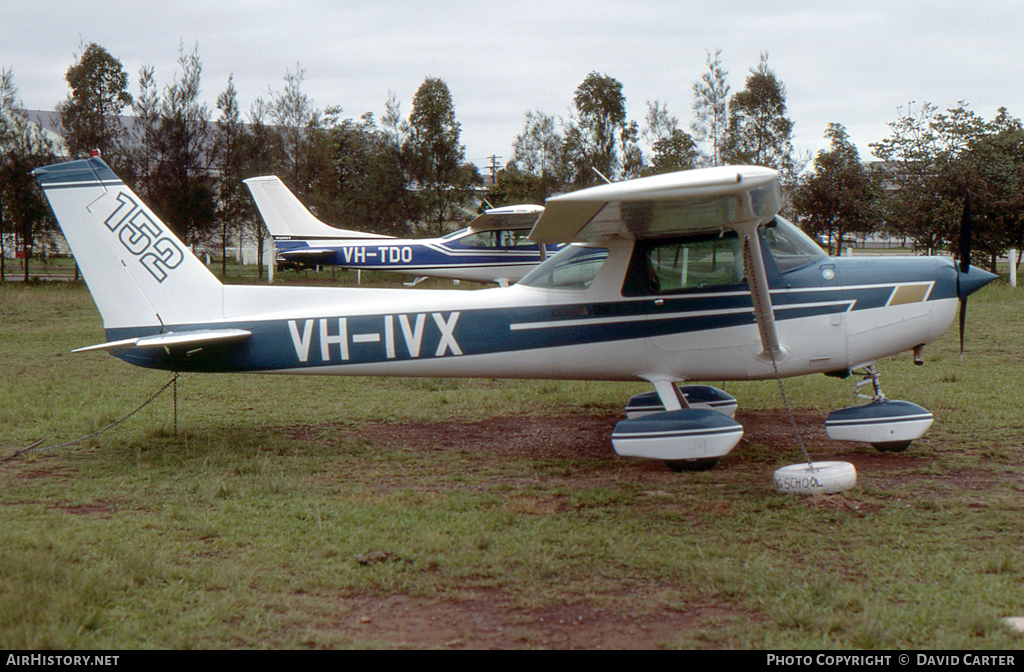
309	253
173	340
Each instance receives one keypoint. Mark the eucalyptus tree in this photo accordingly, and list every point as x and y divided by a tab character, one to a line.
292	113
262	154
228	162
181	188
90	115
143	134
671	147
445	182
710	109
839	196
537	169
599	136
759	132
23	147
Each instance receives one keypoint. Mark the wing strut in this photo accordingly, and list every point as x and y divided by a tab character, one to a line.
757	279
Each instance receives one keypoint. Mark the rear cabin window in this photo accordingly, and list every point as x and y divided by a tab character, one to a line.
498	238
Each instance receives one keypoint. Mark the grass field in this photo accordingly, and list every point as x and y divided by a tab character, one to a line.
278	517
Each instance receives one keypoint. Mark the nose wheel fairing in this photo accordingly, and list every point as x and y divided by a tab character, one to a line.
889	425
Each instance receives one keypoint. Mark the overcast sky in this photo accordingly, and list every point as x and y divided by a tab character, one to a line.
852	62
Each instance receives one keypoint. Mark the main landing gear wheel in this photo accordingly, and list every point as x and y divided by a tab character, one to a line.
703	464
817	478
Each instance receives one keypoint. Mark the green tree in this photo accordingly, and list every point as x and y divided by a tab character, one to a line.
924	160
181	188
365	187
514	187
710	109
90	116
672	148
262	154
985	159
23	147
599	136
997	163
839	196
759	132
536	170
228	164
143	148
298	123
436	158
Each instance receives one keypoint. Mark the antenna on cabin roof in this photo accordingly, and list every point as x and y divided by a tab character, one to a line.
601	175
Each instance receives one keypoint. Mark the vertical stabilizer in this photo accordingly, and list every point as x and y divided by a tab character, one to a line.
286	217
138	272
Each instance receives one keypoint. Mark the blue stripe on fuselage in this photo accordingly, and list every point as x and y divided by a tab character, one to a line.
395	255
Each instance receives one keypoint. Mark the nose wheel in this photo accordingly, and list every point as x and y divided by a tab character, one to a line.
888	425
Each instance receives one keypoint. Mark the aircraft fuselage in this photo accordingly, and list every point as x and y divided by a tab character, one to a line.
837	313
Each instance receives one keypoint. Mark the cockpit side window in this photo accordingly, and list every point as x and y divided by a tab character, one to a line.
681	265
481	239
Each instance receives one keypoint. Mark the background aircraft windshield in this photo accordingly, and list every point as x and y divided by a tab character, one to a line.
575	267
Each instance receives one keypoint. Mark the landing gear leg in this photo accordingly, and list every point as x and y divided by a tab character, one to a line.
871	375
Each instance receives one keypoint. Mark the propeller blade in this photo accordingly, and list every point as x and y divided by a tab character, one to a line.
965	264
963	322
965	234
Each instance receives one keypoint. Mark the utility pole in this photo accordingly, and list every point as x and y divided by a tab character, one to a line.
494	168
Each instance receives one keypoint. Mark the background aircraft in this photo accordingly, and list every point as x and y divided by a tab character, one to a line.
673	278
494	248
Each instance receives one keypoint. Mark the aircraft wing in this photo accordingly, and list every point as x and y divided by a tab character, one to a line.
662	205
508	217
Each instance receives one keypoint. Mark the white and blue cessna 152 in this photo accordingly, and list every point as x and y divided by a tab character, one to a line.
673	278
493	248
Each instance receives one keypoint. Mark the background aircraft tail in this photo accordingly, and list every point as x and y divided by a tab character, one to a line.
287	217
139	273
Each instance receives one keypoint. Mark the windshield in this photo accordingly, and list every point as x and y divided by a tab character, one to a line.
789	246
575	267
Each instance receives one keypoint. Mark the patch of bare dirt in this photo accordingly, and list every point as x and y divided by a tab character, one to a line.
484	623
487	621
583	436
97	509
